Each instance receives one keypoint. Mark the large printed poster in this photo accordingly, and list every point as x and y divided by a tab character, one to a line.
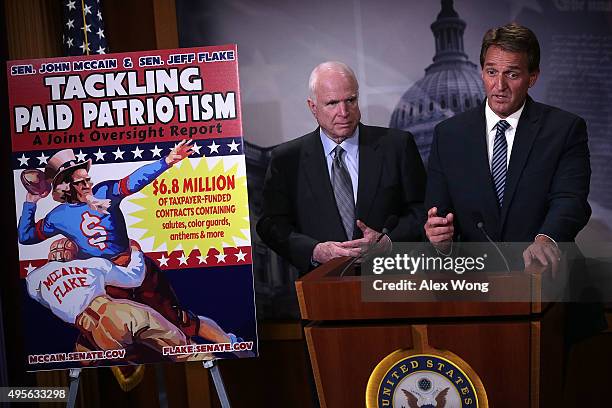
132	209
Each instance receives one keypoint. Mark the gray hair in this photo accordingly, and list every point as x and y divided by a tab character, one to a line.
336	66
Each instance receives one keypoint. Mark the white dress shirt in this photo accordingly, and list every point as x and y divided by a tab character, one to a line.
492	119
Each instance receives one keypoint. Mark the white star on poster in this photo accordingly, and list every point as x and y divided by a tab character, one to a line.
70	24
202	259
81	156
240	256
70	5
101	50
183	259
29	268
233	146
156	151
42	159
87	28
84	47
23	160
87	10
100	33
137	152
99	155
214	147
221	258
163	261
118	154
196	148
70	42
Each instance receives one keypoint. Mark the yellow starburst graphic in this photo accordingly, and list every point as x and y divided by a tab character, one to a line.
204	207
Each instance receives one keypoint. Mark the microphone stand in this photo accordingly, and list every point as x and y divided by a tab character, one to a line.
480	226
350	264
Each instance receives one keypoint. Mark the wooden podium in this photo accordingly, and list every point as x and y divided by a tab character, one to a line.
516	348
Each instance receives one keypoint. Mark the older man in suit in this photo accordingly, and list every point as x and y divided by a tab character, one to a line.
511	168
329	193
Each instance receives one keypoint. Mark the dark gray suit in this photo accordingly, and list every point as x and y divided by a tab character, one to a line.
299	208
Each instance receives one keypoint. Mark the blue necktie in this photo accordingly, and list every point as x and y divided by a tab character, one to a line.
343	191
500	157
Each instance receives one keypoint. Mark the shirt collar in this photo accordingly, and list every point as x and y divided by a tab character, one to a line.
492	117
350	144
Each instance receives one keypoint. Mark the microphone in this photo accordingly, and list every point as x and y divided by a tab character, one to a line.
390	224
480	225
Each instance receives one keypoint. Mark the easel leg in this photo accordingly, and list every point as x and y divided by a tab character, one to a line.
74	374
219	386
161	386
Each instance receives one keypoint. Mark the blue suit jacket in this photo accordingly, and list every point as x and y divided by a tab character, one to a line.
547	183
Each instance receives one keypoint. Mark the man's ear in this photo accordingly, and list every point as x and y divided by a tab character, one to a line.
312	106
533	77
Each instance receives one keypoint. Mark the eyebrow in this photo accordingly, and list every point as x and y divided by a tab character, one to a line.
348	98
490	64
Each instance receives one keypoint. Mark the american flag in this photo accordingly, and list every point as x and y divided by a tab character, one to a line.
83	28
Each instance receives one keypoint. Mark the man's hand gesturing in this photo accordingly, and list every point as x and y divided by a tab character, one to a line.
439	230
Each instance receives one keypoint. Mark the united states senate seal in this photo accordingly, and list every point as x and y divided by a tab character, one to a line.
424	378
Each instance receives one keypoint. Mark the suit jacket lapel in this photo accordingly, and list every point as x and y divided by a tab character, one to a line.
370	167
313	161
524	137
478	156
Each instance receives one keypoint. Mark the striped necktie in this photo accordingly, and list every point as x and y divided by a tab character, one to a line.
500	157
343	191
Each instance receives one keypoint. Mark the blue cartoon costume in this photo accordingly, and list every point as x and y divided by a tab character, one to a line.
96	234
105	235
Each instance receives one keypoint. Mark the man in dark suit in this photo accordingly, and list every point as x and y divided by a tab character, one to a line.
512	167
329	193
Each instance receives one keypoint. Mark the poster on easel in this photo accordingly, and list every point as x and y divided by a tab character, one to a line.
132	208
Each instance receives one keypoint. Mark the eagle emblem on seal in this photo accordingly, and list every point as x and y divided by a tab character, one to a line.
413	400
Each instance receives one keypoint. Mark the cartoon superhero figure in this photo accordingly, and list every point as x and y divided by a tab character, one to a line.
89	215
